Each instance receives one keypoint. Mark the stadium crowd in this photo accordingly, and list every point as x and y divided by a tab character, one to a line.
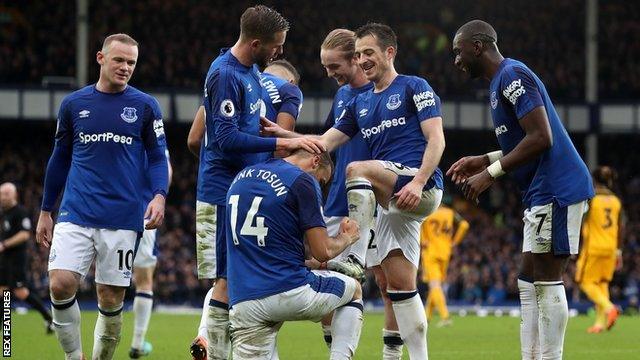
483	268
182	37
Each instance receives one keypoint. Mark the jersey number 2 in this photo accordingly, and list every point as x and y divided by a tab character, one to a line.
259	231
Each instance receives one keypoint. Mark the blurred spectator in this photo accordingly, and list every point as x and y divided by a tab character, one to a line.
180	38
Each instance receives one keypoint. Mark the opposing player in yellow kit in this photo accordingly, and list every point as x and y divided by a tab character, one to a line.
601	252
439	233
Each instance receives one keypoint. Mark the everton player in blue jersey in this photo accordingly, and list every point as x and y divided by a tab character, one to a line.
232	102
106	134
337	55
400	121
284	98
553	179
283	102
272	207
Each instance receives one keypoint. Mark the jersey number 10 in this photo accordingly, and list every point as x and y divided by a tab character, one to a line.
259	231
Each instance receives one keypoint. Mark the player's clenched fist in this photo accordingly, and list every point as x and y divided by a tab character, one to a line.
44	229
351	229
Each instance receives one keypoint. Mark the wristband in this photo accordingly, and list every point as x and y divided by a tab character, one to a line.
494	156
495	170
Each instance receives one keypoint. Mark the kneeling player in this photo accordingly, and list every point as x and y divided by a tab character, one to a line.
272	207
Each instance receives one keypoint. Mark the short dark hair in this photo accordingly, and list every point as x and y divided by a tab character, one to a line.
478	30
287	66
604	175
120	37
262	22
381	32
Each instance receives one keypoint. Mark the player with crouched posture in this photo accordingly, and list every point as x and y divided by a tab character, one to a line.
110	137
272	207
400	121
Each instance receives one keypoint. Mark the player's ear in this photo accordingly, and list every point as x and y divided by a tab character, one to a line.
255	43
100	57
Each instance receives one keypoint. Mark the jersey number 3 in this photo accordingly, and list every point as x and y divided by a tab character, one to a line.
259	231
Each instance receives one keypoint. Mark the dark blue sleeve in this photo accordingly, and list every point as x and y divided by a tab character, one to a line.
427	103
226	107
347	122
156	148
60	160
306	193
520	90
291	100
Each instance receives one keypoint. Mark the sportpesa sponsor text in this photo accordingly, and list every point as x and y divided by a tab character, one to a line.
105	137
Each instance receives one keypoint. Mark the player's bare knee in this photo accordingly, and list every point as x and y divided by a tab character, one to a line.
109	296
63	284
356	169
143	278
549	267
526	267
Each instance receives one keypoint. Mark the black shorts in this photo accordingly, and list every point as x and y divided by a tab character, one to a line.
13	268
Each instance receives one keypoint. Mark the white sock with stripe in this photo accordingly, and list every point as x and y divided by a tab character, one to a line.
142	307
66	321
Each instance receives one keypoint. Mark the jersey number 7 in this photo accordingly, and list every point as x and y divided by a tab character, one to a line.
259	231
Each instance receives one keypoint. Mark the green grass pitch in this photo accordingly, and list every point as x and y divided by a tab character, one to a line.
470	337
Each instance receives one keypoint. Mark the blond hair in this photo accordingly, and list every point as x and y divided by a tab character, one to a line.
341	39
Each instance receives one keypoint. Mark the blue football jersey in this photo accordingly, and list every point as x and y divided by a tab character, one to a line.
280	96
147	190
269	207
559	173
233	102
389	122
355	150
108	138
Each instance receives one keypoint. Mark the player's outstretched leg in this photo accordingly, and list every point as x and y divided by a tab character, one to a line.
106	334
218	323
66	312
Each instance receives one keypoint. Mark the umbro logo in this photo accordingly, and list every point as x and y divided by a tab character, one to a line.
84	114
363	112
340	103
249	88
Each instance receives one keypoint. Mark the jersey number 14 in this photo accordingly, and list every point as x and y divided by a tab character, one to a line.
259	230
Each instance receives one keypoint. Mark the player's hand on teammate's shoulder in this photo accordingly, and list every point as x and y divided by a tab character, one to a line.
350	228
44	229
476	185
155	212
408	198
466	167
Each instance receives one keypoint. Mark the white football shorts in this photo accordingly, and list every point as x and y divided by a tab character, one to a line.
553	228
